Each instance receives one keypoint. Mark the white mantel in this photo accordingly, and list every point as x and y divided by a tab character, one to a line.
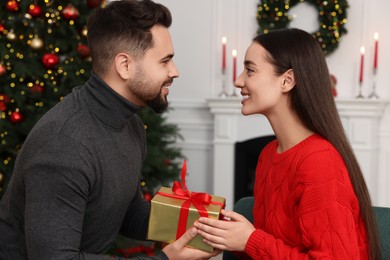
361	119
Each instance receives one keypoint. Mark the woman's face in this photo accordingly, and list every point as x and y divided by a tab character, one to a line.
259	84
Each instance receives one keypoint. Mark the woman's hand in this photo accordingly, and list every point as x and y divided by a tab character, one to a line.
229	235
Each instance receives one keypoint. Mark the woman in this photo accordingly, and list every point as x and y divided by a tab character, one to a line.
311	200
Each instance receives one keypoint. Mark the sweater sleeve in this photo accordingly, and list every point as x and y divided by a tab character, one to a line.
135	224
328	216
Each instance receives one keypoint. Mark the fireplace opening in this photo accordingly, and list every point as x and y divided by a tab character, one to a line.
245	161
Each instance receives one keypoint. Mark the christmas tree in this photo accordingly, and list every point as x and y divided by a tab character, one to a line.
43	55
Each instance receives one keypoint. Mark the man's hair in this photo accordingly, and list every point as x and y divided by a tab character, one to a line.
123	26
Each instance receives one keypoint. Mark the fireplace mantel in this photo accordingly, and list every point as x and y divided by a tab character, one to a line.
361	120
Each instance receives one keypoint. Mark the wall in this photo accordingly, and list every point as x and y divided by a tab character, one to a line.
198	26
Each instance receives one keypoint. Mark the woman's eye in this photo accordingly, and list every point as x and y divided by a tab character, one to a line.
248	70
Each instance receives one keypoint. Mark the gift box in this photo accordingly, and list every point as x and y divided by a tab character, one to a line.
174	210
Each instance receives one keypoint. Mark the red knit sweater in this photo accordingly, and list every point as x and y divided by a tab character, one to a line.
305	206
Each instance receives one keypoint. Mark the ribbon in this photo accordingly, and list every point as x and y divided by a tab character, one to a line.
198	199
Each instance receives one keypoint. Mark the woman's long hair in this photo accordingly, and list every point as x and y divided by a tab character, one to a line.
314	104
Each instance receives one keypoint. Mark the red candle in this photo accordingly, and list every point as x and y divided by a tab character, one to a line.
234	53
362	50
376	37
224	40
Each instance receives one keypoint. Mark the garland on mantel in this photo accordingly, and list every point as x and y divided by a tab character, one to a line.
332	15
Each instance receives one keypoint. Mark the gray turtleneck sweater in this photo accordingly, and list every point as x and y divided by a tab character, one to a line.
75	184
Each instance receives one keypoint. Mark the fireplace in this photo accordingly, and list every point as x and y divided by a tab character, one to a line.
245	161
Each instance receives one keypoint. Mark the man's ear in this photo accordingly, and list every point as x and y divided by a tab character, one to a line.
123	63
288	80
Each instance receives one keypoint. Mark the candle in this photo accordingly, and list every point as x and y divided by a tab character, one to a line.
234	53
224	40
362	50
376	37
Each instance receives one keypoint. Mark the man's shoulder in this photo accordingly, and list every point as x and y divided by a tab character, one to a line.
69	109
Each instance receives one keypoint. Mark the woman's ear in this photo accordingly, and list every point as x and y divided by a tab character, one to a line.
288	80
122	64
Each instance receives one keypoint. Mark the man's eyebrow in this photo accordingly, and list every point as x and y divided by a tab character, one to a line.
168	57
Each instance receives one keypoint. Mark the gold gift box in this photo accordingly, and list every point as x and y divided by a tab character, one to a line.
164	218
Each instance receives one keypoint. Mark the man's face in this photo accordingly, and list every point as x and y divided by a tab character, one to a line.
155	72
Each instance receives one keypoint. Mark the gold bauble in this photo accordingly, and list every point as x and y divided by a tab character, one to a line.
36	43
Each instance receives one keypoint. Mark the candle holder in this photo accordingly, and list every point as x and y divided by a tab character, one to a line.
224	93
373	94
360	91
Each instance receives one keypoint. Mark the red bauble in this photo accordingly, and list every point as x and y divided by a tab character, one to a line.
3	69
35	10
16	117
83	51
36	88
50	60
148	196
94	3
3	107
4	98
167	162
3	101
12	5
2	28
70	12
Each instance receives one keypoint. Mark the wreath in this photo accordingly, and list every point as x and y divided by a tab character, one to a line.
332	15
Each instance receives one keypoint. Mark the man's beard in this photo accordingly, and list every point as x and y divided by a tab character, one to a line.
142	83
159	104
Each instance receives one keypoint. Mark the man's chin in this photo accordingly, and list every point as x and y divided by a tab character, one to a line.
159	107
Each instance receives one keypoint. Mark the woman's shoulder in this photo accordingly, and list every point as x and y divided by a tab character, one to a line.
316	144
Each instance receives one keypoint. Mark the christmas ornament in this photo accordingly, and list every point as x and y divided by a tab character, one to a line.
332	18
35	10
4	98
3	101
12	6
36	88
50	60
2	28
167	162
70	12
139	249
11	35
36	43
3	106
3	69
148	196
16	117
94	3
83	50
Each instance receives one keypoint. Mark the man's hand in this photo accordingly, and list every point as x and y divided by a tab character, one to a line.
178	250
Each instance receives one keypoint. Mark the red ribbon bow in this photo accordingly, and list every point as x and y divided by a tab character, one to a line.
198	199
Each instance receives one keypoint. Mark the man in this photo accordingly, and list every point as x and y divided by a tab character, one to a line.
75	184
